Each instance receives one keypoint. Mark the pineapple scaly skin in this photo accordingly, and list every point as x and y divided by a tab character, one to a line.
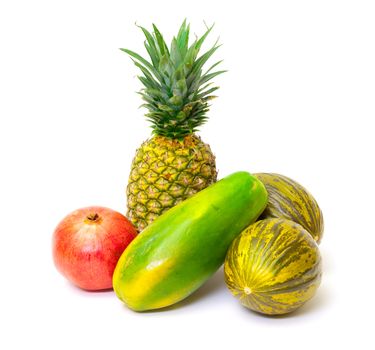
165	172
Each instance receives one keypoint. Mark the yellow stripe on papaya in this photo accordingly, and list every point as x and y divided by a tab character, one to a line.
142	284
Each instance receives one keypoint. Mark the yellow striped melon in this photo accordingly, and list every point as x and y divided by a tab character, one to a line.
289	200
273	266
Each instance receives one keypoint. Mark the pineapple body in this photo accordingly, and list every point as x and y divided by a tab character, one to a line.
165	172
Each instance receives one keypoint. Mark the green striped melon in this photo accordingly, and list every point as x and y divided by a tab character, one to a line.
273	266
289	200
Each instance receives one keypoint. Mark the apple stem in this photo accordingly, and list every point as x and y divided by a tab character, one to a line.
93	217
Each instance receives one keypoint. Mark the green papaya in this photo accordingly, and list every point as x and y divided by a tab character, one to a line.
182	248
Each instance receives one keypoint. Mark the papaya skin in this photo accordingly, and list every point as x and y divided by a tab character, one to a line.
181	249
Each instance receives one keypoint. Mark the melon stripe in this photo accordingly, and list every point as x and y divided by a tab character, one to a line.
289	200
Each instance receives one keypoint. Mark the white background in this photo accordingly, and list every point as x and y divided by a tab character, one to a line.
298	100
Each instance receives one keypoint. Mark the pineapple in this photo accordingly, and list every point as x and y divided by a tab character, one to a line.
174	163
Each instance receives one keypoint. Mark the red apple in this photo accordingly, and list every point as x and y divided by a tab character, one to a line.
88	243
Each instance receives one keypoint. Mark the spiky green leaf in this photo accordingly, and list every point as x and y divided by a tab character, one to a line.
209	76
176	91
163	49
183	38
176	55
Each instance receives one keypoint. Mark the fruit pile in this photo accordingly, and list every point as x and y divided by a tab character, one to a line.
182	224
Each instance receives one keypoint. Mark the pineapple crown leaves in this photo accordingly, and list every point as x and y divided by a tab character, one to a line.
176	90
